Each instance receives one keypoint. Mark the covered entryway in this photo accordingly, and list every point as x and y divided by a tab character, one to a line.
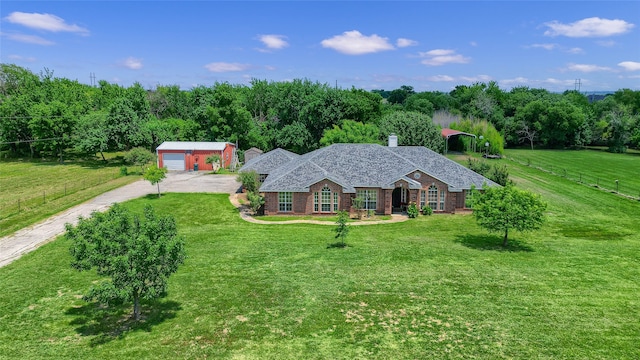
173	161
399	199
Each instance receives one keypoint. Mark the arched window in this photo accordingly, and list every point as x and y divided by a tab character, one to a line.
326	199
433	197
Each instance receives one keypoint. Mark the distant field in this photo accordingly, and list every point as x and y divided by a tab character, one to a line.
437	287
595	167
33	190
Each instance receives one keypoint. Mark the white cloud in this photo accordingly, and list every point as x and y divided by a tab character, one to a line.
544	46
441	78
606	43
402	42
590	27
354	43
226	67
630	65
270	67
478	78
439	57
47	22
29	39
132	63
473	43
275	42
22	58
587	68
575	50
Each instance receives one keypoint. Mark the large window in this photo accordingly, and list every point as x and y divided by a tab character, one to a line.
370	198
316	201
442	200
326	199
433	197
423	199
335	202
285	202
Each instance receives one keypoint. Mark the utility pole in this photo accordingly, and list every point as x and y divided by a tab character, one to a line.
92	77
576	85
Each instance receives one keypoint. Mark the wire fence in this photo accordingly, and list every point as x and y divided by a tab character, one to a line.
14	207
606	184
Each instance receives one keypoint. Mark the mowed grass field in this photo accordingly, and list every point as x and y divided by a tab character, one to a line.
590	166
434	287
31	191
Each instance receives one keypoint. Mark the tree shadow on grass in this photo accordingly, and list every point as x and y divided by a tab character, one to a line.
337	245
107	323
489	242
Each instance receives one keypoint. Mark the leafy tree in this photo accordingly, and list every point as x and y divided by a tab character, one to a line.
124	127
342	229
249	181
52	124
139	156
412	129
90	134
214	160
500	209
350	132
255	202
155	175
138	256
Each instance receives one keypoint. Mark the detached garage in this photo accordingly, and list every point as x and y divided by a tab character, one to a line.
191	155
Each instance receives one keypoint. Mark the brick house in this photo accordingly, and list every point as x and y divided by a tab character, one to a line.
184	155
387	178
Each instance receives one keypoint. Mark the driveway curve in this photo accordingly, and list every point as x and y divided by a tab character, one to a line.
30	238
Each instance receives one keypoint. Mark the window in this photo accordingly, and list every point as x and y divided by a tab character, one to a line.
403	195
423	199
326	199
442	200
370	198
433	197
262	177
335	202
285	201
315	201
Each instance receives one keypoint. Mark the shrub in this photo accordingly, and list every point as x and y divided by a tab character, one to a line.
255	202
249	180
139	156
412	211
499	174
214	160
427	210
124	171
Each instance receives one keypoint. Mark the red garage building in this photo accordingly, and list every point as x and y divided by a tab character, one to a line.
184	155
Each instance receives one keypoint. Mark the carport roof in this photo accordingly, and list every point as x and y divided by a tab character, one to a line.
192	145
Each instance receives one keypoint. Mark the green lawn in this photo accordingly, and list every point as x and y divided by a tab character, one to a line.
31	191
595	167
430	288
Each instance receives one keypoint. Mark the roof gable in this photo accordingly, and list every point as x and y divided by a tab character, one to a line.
269	161
368	165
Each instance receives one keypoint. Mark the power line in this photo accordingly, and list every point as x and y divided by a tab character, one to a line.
30	141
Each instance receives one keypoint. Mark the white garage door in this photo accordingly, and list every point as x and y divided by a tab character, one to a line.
173	161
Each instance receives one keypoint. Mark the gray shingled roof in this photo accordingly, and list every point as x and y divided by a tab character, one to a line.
368	165
267	162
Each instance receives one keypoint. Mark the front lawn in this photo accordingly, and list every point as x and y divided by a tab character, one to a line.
430	288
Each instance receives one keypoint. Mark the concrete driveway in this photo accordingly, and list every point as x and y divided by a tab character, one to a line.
30	238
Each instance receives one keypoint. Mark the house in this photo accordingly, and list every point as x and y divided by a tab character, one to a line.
251	154
387	178
265	163
192	155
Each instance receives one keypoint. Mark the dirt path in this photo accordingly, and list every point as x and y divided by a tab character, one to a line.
30	238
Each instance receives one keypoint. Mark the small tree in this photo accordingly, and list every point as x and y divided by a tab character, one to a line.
214	160
139	157
500	209
249	180
255	202
412	211
138	256
155	175
342	230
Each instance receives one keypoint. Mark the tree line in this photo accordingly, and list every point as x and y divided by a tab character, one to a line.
43	115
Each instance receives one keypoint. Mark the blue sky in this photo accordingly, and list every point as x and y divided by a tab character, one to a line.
430	45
